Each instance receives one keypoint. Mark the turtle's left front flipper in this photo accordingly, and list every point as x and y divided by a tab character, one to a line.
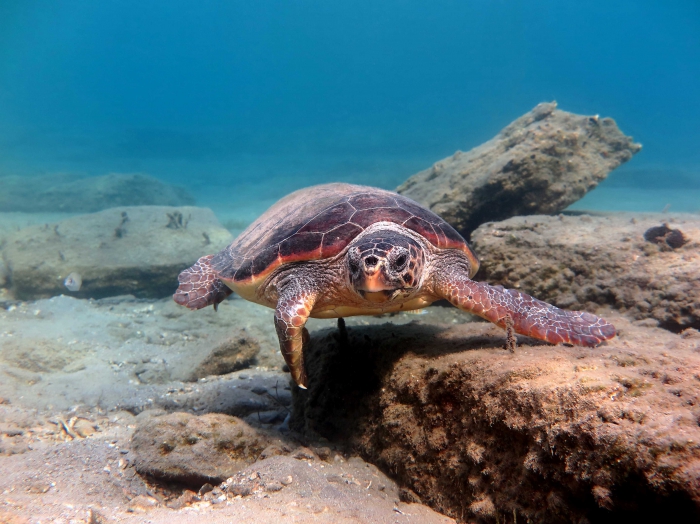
294	304
530	316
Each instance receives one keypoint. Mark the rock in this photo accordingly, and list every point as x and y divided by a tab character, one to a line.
541	163
549	433
227	395
186	499
70	193
84	428
234	353
194	450
582	262
142	503
127	250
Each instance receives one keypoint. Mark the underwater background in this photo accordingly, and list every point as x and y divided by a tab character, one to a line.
241	102
139	136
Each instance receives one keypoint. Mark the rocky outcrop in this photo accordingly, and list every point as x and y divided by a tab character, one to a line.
128	250
540	164
547	434
646	265
70	193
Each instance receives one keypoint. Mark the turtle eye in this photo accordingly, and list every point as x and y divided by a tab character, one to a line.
400	261
354	267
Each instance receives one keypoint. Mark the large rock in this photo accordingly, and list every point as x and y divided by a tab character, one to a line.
547	434
234	353
581	262
190	449
70	193
128	250
541	163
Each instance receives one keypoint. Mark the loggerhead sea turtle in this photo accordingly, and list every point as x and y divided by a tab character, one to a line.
338	250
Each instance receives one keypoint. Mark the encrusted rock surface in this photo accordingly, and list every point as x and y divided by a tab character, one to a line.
581	262
541	163
547	434
191	449
72	193
127	250
236	352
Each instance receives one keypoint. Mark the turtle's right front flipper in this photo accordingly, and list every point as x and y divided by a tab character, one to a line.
296	300
529	316
200	286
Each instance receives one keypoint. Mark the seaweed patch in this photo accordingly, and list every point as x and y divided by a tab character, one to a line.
176	221
120	230
672	238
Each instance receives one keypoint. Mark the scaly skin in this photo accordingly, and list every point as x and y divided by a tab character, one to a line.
530	316
200	286
294	305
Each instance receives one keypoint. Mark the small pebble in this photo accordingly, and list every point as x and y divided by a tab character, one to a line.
205	489
73	282
273	486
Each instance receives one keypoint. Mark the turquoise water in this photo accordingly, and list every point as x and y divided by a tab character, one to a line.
243	101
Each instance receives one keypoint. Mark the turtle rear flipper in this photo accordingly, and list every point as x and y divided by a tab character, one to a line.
200	286
528	315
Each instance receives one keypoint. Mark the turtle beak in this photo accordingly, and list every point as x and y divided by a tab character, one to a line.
374	286
375	282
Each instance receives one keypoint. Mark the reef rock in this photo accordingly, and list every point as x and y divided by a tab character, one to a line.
646	265
70	193
541	163
128	250
191	449
234	353
546	434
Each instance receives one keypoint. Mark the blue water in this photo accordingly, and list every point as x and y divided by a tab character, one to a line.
252	99
242	101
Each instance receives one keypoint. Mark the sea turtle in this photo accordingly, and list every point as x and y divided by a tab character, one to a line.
338	250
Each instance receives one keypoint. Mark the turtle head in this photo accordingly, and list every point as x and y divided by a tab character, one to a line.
385	265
